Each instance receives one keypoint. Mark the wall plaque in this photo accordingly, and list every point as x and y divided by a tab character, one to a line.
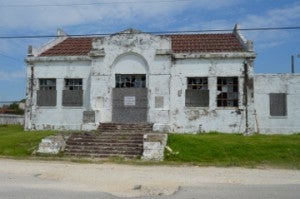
129	100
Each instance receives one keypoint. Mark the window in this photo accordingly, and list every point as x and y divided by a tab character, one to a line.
73	84
73	93
46	95
47	84
228	92
197	93
130	81
278	104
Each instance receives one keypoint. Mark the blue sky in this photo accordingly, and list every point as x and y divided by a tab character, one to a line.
30	17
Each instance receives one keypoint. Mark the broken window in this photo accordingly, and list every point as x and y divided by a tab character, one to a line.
130	81
197	93
278	104
46	95
228	92
47	84
73	93
73	84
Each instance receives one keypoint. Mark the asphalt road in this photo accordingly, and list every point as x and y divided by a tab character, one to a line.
48	180
219	191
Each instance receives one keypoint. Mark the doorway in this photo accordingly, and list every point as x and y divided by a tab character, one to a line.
130	100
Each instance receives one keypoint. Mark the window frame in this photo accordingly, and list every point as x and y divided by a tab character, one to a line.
46	93
73	84
46	84
72	87
130	80
228	92
197	87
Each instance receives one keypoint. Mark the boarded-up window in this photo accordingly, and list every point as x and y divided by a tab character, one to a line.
46	95
73	93
228	92
278	104
197	93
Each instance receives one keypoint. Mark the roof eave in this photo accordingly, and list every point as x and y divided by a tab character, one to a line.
58	58
209	55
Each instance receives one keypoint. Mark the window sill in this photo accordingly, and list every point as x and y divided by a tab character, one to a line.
278	117
196	107
46	107
72	107
228	108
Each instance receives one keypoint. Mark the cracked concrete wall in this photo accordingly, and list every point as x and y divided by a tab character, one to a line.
277	83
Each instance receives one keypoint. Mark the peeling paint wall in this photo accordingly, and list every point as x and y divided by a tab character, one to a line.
265	84
211	118
166	83
59	116
131	54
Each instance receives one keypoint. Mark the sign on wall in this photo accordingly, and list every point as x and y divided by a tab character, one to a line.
129	100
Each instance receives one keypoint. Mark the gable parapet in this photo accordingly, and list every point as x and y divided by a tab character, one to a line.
61	36
247	44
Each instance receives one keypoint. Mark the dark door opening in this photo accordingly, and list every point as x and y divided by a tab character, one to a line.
130	101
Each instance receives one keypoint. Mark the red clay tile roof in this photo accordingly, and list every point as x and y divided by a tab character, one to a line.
70	47
181	43
206	43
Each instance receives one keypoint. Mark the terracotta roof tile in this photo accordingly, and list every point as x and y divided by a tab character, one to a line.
181	43
70	47
206	43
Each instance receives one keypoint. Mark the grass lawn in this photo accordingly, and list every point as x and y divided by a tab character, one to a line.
219	149
211	149
15	142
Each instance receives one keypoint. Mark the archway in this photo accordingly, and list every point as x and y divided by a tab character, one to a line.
130	100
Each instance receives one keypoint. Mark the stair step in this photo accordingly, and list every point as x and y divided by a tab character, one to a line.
99	155
105	144
108	151
119	127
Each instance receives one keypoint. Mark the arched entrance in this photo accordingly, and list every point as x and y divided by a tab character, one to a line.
130	100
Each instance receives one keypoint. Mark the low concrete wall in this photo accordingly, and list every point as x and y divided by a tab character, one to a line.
11	119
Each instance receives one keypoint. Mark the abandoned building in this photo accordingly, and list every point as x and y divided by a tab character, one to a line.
177	82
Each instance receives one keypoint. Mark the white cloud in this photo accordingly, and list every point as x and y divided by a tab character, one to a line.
280	17
45	18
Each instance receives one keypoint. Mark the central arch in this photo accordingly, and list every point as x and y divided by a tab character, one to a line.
130	100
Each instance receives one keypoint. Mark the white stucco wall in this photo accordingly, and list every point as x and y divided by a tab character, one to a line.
56	117
277	83
166	80
212	118
131	54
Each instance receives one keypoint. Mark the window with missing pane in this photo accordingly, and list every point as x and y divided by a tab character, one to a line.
73	93
47	84
228	92
73	84
46	94
197	93
130	81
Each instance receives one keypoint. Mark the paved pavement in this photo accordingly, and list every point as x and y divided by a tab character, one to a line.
45	180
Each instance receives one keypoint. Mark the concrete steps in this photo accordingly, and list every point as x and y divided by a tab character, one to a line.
119	127
111	140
